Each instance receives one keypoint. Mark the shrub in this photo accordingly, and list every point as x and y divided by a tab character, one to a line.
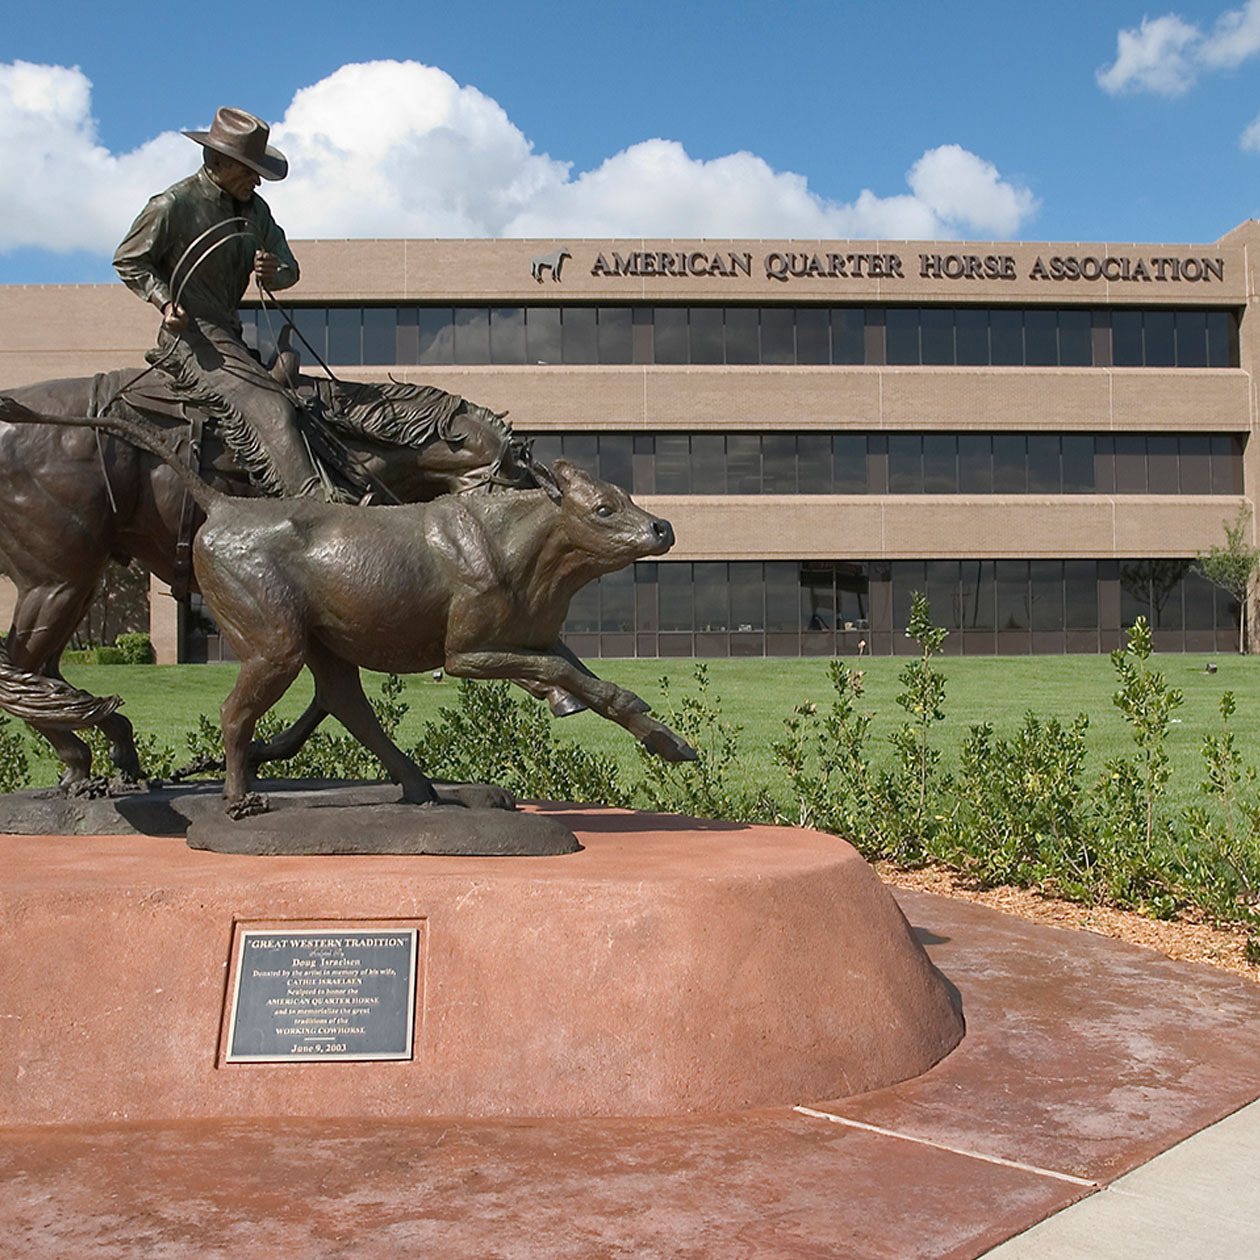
137	648
706	787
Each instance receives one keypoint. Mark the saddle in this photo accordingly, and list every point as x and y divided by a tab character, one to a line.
155	398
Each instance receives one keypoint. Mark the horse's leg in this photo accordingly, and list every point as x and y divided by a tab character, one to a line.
116	728
291	740
44	618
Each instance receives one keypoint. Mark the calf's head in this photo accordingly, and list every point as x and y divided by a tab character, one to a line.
601	520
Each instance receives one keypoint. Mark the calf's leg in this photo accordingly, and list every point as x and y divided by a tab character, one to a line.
339	691
560	669
260	683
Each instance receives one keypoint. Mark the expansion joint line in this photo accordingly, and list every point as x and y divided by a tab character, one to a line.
941	1146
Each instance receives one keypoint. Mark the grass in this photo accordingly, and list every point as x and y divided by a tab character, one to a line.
165	700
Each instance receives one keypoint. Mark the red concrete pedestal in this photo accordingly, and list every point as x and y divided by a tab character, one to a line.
671	966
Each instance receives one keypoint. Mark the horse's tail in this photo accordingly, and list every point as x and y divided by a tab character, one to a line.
49	702
133	429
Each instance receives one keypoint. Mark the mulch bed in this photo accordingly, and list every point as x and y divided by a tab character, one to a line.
1188	939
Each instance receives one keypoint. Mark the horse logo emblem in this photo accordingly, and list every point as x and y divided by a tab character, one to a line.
541	262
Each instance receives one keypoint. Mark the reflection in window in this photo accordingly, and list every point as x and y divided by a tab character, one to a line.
796	602
815	335
916	463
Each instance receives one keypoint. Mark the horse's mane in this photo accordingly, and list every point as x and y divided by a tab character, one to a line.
396	413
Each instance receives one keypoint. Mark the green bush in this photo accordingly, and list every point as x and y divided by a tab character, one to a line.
492	736
137	648
15	766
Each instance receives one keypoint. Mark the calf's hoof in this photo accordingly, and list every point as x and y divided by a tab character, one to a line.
247	806
475	795
668	746
564	705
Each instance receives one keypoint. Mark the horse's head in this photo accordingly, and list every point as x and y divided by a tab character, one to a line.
424	442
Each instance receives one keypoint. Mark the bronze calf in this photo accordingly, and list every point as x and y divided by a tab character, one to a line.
479	586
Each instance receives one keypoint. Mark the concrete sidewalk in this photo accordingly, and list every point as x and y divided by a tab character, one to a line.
1198	1201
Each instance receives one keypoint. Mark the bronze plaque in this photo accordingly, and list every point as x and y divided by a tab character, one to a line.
323	994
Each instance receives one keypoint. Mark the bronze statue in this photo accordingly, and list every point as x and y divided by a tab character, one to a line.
192	252
477	584
71	498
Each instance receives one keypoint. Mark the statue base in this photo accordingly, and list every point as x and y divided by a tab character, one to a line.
304	818
672	965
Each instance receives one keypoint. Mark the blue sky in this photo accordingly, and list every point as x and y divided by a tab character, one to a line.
1072	121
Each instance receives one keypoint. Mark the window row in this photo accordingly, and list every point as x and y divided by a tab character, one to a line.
824	607
819	607
905	463
813	335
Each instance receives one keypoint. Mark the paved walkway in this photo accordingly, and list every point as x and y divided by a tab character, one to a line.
1086	1063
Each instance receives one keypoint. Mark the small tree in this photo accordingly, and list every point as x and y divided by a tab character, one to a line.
1233	568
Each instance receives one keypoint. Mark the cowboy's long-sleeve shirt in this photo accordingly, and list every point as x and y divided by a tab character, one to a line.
156	257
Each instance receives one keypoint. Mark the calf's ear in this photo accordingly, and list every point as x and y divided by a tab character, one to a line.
563	472
544	475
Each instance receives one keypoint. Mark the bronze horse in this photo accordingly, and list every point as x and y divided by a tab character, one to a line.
71	498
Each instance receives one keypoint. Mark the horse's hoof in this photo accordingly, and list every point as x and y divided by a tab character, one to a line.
247	806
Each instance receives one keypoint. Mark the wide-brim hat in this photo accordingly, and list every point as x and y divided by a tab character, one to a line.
239	135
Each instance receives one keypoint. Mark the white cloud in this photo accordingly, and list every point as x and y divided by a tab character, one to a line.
1234	38
1153	58
1166	55
962	188
1250	138
400	149
61	189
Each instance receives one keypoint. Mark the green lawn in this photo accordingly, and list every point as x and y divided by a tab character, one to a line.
164	701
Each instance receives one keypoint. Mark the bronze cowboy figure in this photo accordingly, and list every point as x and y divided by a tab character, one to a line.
192	252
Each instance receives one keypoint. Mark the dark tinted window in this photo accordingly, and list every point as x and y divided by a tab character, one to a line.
670	334
778	335
1075	346
848	462
706	335
936	334
1126	338
614	325
1041	338
1006	338
577	334
472	334
437	335
972	336
975	463
507	334
1044	476
905	463
1157	331
813	336
940	463
742	345
1010	464
848	329
542	334
380	329
901	335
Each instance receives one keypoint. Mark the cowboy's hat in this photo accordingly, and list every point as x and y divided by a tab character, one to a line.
239	135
